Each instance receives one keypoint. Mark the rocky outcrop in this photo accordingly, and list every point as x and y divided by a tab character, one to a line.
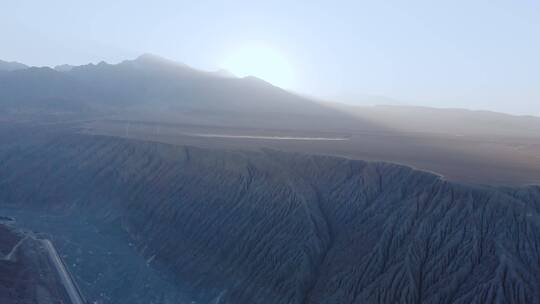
273	227
27	272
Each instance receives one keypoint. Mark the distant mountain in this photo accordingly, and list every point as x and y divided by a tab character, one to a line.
42	90
11	66
64	68
455	122
151	86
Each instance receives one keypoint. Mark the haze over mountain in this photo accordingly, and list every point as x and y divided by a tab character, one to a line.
459	122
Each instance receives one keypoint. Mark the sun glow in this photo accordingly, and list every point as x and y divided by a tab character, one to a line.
262	62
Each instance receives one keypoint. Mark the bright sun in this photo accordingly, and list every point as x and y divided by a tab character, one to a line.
260	61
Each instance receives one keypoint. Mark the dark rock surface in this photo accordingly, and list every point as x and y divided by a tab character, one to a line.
27	275
99	257
273	227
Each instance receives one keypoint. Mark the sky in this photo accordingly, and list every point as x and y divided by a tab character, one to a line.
474	54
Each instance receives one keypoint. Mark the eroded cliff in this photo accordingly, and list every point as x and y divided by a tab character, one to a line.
273	227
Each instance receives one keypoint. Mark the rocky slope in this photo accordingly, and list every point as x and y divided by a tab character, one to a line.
27	274
273	227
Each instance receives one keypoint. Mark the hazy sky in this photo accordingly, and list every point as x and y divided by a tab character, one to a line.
463	53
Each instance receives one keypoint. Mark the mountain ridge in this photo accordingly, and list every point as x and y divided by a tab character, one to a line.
150	59
9	66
